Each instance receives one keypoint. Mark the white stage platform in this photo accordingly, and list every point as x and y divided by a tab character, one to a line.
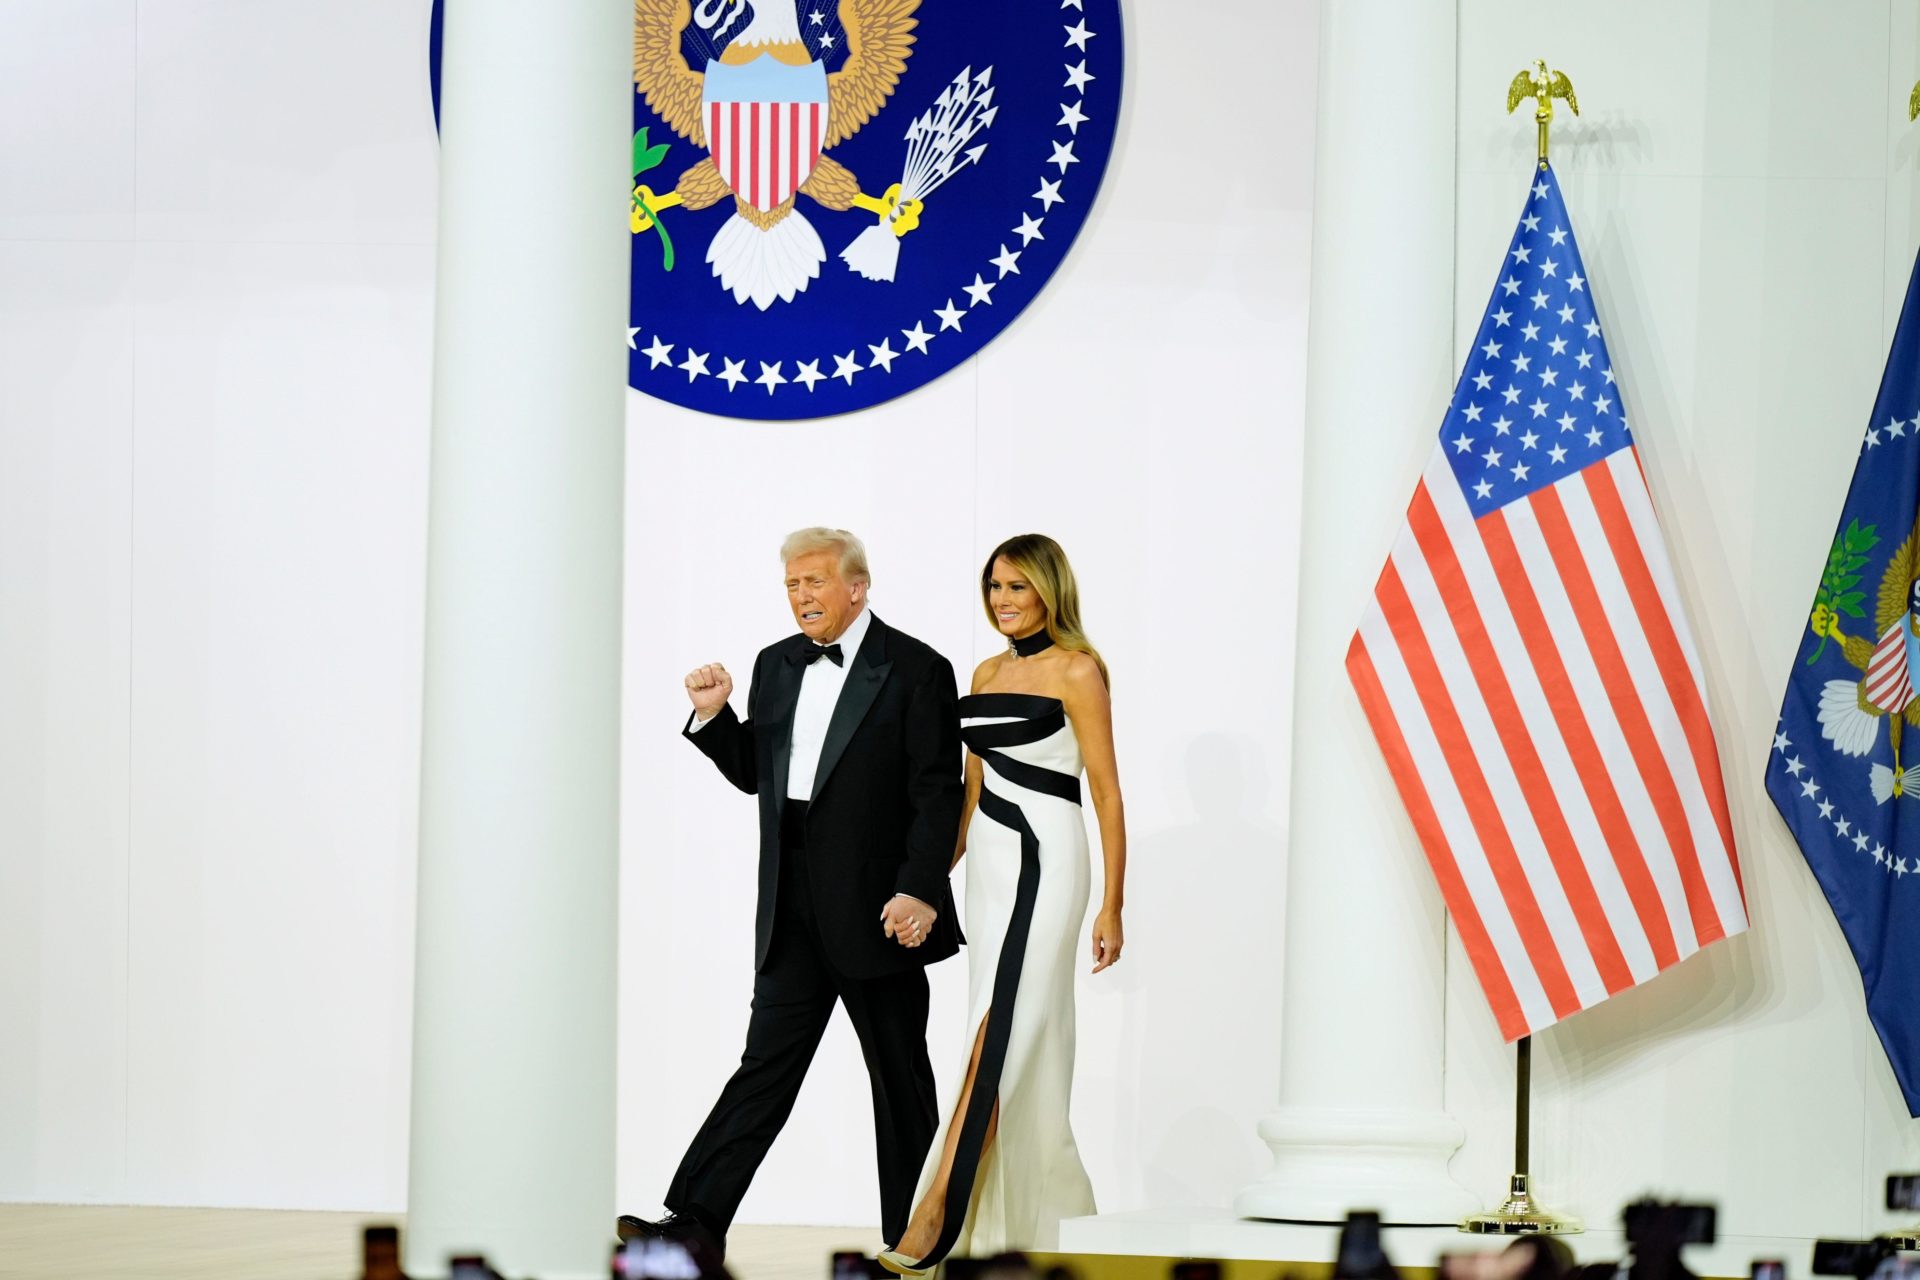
1216	1233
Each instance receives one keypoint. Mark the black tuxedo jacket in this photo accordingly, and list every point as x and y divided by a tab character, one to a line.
885	810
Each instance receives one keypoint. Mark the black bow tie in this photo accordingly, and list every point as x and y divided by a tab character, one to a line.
814	652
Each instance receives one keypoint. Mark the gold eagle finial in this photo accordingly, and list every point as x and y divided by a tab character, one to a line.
1543	86
1913	104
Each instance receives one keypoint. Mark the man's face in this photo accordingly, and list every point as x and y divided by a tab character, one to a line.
824	603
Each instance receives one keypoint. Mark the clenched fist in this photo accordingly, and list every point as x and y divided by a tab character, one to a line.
709	687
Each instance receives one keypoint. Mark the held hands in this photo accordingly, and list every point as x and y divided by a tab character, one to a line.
1107	938
906	920
709	687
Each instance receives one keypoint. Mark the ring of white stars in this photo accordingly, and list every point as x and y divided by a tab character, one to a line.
1845	829
979	293
1885	433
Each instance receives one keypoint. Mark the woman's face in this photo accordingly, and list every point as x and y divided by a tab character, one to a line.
1016	605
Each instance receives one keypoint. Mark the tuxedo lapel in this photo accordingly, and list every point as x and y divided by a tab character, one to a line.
868	673
783	693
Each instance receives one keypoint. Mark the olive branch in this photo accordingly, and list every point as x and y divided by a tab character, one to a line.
1842	575
645	158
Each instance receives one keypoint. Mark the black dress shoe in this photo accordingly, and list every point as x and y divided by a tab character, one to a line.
674	1226
632	1228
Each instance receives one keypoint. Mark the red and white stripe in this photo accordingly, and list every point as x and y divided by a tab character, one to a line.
1531	680
765	150
1889	685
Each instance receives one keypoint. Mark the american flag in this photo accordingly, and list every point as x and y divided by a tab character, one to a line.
1526	667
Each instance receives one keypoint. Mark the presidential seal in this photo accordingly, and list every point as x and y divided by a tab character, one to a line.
864	193
837	201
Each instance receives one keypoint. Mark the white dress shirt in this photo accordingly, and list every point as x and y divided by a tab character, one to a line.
820	686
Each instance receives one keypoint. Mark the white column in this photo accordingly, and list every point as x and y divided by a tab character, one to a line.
513	1051
1361	1122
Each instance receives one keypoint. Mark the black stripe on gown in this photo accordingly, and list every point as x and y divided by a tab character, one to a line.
1041	719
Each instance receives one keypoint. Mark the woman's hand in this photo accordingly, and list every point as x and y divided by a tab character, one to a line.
1107	938
907	920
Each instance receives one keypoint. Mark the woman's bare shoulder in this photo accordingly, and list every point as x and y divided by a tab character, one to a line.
984	673
1082	674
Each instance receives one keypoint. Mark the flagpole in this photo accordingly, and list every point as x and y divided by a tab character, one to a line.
1519	1215
1900	1187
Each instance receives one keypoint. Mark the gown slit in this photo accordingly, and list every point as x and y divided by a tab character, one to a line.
984	1096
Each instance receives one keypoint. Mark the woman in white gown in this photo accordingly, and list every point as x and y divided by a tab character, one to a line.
1006	1170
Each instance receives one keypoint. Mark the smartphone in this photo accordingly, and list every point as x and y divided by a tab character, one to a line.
1651	1222
380	1253
1903	1191
658	1259
1847	1257
848	1265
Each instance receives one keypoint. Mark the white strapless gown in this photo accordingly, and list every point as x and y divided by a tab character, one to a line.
1028	878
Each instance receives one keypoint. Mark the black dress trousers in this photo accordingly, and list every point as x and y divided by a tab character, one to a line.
793	998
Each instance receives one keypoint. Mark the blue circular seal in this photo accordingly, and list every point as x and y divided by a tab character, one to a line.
837	201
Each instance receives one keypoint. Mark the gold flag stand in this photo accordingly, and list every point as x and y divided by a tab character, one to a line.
1520	1215
1903	1189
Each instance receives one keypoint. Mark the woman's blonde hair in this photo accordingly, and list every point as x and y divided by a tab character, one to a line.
1039	560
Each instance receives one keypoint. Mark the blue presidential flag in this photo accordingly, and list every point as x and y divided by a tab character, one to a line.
1845	766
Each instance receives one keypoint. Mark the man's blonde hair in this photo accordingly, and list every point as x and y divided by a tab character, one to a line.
852	551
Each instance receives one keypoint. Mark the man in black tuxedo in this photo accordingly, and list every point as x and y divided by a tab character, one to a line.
852	745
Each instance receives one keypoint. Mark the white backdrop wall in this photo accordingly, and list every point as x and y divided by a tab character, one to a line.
216	270
1147	413
215	298
1743	188
215	280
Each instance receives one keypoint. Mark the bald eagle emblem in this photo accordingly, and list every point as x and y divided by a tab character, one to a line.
1888	659
768	114
837	202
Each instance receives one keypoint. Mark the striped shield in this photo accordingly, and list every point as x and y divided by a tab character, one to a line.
1889	683
765	122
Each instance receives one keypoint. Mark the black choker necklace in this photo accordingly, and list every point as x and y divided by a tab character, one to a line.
1027	646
